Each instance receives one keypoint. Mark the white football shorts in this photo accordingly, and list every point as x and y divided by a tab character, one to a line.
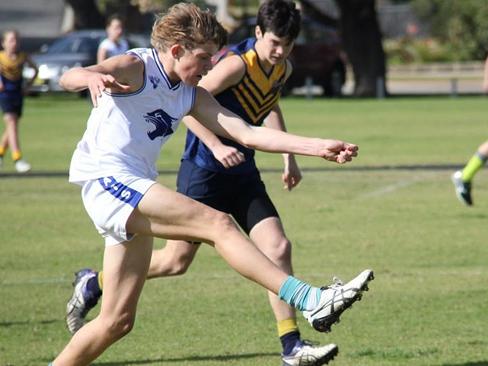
109	202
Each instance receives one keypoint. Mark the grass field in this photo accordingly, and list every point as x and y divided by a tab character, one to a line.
393	210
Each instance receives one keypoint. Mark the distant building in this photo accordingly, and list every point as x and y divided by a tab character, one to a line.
38	22
39	18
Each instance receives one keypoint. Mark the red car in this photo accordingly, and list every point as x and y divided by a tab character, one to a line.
317	55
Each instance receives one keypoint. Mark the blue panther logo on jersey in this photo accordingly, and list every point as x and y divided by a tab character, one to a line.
162	121
154	81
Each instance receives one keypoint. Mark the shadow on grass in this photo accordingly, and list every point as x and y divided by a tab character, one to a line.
216	358
28	322
406	167
475	363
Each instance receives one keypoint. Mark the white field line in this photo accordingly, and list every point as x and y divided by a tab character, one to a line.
34	281
392	188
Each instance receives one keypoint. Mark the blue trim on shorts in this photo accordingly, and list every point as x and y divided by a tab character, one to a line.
121	191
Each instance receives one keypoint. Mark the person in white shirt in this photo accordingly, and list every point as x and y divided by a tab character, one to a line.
138	100
114	44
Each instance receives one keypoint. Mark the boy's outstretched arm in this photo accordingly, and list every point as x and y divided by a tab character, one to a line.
225	123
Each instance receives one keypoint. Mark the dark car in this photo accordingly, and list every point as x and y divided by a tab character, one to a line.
317	56
74	49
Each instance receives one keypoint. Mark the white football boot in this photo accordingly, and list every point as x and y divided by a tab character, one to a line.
81	302
22	166
462	188
305	354
335	299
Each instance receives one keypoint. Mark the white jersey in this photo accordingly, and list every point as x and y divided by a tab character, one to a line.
113	48
126	132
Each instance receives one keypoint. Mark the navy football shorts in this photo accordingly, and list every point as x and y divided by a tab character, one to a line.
11	103
241	195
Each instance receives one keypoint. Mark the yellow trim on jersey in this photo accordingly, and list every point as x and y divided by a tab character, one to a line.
12	68
258	92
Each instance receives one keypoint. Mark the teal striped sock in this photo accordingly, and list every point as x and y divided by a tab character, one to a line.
299	294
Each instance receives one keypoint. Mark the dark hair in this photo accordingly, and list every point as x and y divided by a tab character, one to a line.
113	17
280	17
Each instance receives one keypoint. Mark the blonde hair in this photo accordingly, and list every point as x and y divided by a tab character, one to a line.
7	31
189	26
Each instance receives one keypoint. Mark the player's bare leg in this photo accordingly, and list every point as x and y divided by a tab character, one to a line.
125	268
269	237
167	214
173	260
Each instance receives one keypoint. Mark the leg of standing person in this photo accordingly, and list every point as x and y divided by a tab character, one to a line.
5	135
3	146
462	179
173	260
269	236
12	134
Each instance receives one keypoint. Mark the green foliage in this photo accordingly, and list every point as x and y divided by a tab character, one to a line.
427	305
146	5
416	50
461	24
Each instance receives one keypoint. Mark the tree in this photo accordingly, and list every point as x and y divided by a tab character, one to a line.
362	41
460	24
85	14
359	26
88	14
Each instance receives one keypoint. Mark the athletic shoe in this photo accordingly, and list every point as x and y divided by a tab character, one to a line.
305	354
81	302
463	189
335	299
22	166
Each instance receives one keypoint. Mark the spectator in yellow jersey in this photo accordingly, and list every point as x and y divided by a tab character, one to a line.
12	62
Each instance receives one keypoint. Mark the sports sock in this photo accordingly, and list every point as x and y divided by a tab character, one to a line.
93	287
288	333
2	151
474	164
100	280
289	341
299	294
16	155
286	326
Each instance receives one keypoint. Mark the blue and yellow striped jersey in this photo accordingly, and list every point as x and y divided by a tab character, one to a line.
252	99
11	71
257	93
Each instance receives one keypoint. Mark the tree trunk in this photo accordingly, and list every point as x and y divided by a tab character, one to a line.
134	20
362	38
86	14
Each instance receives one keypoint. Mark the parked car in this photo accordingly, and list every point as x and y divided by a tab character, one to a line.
317	56
77	48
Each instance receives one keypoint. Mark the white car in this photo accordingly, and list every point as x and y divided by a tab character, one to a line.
77	48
